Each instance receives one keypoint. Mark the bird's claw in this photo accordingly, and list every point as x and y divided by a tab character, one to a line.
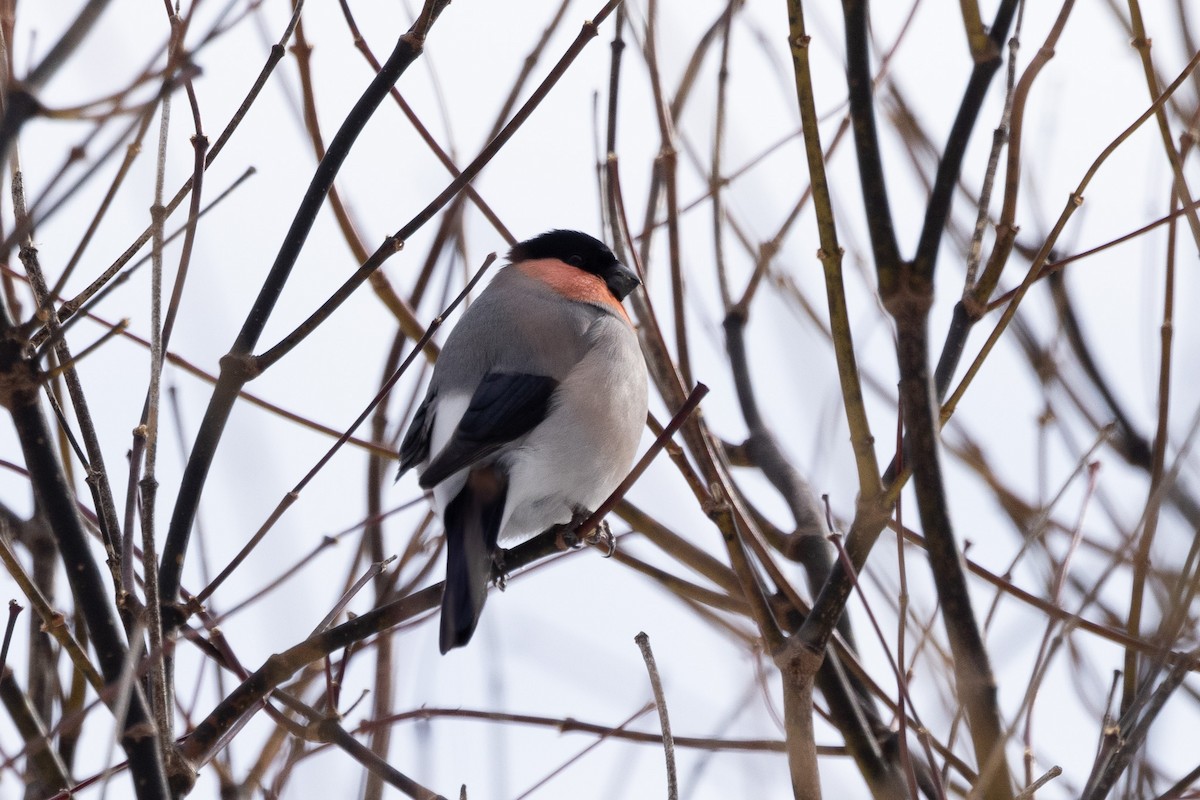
499	572
565	537
568	538
603	538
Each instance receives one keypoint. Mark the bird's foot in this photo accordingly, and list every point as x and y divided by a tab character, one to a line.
603	538
499	572
568	538
565	537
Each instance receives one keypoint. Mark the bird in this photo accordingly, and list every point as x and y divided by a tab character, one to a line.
534	411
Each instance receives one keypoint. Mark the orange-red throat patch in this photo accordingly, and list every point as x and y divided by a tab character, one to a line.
572	283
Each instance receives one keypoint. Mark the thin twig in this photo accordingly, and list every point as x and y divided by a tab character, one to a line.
660	701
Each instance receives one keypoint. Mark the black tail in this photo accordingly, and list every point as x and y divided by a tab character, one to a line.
472	525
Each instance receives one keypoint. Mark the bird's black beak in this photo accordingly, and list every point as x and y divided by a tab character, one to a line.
621	280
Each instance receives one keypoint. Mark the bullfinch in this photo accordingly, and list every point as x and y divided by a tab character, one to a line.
534	411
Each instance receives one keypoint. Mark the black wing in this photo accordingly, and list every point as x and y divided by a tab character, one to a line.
505	407
415	447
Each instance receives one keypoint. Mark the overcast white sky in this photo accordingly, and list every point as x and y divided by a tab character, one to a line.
559	642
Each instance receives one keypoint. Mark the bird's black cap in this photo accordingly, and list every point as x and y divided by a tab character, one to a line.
582	251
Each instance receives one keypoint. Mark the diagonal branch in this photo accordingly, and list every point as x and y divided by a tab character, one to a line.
950	166
866	143
235	371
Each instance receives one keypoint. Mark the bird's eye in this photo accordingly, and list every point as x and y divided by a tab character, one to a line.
575	261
